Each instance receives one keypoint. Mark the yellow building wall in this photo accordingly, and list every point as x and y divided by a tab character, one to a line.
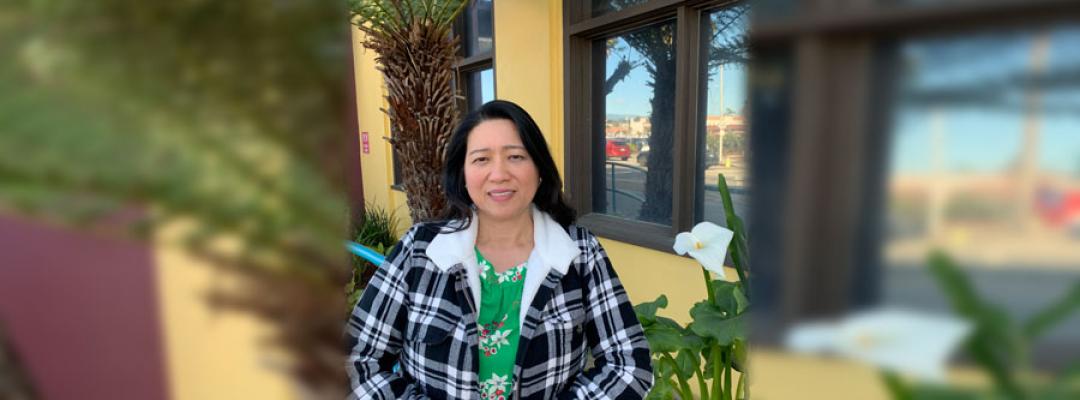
376	165
210	354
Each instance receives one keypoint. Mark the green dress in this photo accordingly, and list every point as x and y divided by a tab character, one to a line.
500	307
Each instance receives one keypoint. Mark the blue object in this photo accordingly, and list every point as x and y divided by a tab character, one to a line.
365	252
375	258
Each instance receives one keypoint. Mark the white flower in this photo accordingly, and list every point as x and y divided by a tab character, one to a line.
494	383
904	341
499	338
707	243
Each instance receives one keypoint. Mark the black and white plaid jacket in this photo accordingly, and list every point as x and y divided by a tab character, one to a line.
420	311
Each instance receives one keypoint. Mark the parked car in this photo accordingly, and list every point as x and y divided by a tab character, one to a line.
643	156
1060	208
618	149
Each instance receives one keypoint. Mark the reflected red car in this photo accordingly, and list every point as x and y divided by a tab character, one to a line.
1060	208
618	149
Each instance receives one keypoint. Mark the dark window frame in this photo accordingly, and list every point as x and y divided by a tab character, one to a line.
582	63
468	65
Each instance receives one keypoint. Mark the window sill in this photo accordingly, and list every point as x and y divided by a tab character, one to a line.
653	236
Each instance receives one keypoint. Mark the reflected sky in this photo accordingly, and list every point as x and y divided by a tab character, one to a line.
982	120
632	95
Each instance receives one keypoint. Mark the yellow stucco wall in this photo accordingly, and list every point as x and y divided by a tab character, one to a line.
209	354
377	164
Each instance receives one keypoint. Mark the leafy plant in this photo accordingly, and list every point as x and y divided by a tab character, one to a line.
712	347
377	231
999	346
225	117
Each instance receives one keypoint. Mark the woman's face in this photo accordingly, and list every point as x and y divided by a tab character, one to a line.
500	176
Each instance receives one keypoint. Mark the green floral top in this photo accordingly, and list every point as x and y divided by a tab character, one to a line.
500	308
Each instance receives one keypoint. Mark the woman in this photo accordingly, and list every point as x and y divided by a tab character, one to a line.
502	300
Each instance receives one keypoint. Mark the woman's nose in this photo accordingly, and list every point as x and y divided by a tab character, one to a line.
499	171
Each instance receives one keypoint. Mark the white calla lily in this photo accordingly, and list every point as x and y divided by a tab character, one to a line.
707	243
909	342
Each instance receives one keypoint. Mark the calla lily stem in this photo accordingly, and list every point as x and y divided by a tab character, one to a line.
709	286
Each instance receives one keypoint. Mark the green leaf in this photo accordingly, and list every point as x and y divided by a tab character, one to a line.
738	249
663	339
646	312
687	362
692	341
1054	314
665	370
714	323
741	348
730	297
662	389
708	367
896	386
668	322
741	301
993	344
1067	385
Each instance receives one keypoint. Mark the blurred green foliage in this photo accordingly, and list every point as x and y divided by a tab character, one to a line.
999	346
229	115
378	231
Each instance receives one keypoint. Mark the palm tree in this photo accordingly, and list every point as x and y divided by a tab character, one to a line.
416	55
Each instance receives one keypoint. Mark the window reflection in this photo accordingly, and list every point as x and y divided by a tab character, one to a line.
481	87
722	134
985	164
478	30
634	161
601	7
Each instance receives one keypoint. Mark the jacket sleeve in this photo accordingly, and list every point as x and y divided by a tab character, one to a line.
623	368
374	332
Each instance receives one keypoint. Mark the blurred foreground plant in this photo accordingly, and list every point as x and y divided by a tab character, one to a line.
1000	347
912	348
714	345
377	231
223	117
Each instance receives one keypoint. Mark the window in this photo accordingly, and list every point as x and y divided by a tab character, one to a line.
476	72
909	127
990	177
655	101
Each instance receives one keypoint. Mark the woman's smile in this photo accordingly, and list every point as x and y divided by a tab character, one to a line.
501	195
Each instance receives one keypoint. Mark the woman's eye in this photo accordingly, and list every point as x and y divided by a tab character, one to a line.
517	157
479	160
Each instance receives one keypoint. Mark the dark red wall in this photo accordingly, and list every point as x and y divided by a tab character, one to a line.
82	312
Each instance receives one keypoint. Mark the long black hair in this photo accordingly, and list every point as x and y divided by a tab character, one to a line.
548	198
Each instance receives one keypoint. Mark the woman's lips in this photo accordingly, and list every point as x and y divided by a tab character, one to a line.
501	195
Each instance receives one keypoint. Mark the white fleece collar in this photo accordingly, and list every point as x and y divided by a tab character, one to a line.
552	250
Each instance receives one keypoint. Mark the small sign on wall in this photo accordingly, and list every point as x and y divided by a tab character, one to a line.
364	143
